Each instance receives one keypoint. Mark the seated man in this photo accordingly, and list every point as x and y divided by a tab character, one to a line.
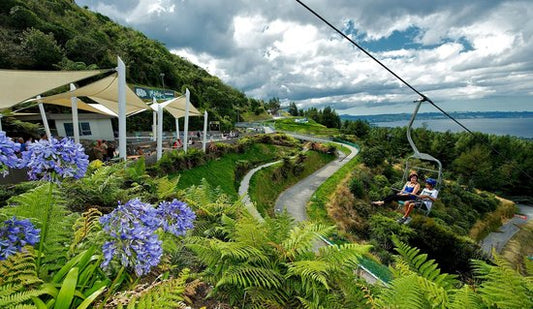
426	197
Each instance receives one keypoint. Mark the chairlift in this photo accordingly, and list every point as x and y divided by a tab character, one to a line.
412	163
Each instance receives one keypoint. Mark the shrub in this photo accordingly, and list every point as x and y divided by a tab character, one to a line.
356	187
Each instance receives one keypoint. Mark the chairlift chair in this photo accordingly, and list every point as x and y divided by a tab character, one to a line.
412	163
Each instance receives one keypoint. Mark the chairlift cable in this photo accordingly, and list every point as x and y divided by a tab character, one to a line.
423	97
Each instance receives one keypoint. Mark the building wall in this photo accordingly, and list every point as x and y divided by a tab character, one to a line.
99	128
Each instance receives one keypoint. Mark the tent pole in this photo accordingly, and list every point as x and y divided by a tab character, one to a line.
43	117
75	121
205	130
178	129
121	69
154	122
186	125
159	131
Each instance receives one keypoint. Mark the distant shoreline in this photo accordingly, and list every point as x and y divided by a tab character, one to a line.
434	115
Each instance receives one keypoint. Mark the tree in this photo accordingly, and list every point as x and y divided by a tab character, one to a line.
273	105
42	50
293	109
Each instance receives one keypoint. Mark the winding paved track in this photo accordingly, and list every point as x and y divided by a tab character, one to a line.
499	239
296	197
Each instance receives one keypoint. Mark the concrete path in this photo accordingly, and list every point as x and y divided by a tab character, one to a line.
499	239
243	191
296	197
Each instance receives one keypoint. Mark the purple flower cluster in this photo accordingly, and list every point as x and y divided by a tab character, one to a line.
15	234
55	159
176	217
8	158
133	226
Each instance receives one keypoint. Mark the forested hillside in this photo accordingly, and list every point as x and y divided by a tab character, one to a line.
60	35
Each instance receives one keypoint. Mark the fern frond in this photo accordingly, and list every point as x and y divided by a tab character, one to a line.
160	295
300	239
244	276
18	280
344	254
466	297
503	286
403	292
424	267
311	273
86	224
166	188
33	205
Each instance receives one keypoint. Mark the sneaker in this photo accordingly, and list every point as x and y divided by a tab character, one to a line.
401	220
407	220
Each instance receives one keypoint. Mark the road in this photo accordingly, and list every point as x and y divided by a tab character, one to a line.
296	197
499	239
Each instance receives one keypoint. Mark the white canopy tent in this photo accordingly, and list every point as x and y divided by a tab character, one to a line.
105	92
17	86
177	107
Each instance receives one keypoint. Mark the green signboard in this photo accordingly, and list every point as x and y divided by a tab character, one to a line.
149	93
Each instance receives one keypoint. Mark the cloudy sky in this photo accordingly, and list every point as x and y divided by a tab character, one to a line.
474	55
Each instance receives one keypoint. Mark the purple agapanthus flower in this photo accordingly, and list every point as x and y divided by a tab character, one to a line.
176	217
8	157
55	159
134	242
15	234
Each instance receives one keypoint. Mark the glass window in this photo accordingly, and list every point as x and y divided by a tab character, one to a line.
85	129
69	129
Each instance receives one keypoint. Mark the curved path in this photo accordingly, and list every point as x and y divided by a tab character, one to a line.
296	197
243	191
499	239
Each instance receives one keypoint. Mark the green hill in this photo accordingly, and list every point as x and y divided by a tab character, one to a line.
60	35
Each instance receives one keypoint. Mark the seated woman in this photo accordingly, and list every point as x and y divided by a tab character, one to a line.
427	196
407	193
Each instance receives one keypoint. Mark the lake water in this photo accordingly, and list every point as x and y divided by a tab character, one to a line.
521	127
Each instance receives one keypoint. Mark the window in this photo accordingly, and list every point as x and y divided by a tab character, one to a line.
85	129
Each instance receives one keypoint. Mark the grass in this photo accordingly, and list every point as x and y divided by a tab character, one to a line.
251	116
311	127
316	208
221	172
264	191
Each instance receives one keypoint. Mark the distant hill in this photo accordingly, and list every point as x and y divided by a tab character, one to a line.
60	35
429	116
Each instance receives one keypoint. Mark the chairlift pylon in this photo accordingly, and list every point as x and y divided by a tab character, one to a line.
420	155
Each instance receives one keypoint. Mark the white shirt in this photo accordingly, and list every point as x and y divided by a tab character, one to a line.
429	192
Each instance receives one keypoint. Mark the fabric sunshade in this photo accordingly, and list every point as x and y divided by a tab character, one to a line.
105	92
176	107
17	86
81	105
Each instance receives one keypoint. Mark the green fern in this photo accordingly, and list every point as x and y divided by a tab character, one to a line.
302	238
19	281
84	226
161	295
503	286
466	297
424	267
166	188
404	292
33	205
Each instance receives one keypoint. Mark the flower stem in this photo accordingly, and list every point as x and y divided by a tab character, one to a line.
113	286
46	224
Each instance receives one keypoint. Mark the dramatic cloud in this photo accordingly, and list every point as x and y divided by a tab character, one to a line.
466	55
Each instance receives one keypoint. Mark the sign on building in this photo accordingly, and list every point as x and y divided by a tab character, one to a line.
149	93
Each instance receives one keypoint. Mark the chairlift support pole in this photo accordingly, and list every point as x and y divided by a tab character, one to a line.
417	154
